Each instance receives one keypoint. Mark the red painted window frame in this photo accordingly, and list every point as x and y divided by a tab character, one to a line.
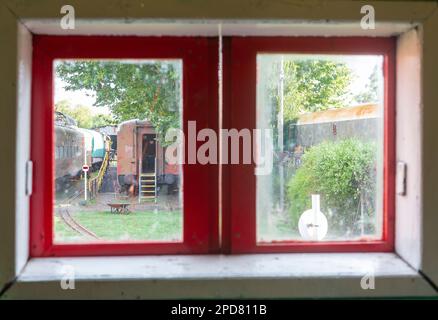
199	55
239	193
238	181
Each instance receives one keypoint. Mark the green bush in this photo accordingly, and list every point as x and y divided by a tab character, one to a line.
342	173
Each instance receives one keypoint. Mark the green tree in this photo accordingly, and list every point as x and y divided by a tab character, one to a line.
101	120
131	90
311	85
83	115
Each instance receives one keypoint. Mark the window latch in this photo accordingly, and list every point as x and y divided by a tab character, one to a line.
401	178
29	177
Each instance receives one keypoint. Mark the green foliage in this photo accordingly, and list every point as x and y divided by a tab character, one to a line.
131	90
83	115
343	173
101	120
311	85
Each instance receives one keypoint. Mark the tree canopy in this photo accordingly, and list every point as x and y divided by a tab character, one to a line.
152	90
312	85
131	90
83	115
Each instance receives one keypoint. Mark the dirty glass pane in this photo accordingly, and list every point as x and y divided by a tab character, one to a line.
112	180
325	115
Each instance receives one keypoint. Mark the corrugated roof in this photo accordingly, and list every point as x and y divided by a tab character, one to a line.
340	114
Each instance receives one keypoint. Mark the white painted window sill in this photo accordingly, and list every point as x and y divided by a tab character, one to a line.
220	276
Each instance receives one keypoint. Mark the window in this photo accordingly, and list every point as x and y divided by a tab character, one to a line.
329	144
324	108
320	108
105	189
142	100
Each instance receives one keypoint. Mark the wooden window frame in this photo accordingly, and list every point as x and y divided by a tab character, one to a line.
199	56
201	189
239	191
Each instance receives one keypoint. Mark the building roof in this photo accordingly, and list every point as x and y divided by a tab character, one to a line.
340	114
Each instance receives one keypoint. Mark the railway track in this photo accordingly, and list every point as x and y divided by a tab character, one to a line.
73	224
66	200
66	217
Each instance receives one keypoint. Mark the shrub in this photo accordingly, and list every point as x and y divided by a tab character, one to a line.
342	173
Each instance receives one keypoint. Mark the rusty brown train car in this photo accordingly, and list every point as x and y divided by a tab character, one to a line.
139	152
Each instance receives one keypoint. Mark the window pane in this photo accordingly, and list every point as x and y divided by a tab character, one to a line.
112	117
326	117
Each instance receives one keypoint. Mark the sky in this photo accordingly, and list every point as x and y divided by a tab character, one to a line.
362	66
79	97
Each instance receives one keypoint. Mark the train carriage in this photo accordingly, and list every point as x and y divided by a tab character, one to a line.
139	152
69	152
75	147
96	145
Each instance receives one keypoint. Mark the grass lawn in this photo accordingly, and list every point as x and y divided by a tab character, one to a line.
160	225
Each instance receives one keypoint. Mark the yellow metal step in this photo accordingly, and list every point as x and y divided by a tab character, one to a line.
147	187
